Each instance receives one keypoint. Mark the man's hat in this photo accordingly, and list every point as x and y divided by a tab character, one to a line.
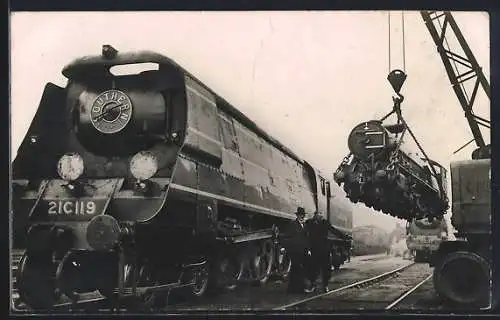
300	211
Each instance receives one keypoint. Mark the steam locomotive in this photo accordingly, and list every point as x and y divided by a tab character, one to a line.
139	183
383	173
423	237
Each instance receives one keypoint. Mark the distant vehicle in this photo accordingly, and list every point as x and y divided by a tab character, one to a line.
424	237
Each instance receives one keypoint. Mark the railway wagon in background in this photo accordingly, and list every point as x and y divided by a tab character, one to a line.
133	184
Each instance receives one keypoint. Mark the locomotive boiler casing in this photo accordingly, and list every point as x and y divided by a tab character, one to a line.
212	163
386	175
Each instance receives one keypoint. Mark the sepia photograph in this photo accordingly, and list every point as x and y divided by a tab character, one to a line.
235	161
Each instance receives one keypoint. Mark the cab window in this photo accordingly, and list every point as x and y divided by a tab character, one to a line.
322	182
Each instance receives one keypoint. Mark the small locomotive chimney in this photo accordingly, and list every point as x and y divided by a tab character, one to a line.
108	51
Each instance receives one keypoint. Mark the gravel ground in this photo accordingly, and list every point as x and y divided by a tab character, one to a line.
425	298
274	294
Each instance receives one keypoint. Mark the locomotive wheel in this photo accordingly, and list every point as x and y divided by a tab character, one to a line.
229	270
262	261
284	263
201	278
149	277
463	278
36	282
68	277
107	290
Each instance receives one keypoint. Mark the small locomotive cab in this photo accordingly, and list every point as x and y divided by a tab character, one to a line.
150	181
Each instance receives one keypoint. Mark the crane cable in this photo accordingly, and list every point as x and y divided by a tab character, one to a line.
404	49
400	118
403	39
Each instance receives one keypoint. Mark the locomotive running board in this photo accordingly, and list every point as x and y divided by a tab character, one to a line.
252	236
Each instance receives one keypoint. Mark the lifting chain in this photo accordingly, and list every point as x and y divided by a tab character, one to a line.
342	165
394	159
345	161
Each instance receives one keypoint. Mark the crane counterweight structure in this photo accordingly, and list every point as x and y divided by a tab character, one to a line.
462	271
383	176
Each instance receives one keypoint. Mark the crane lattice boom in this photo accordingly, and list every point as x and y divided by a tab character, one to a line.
440	24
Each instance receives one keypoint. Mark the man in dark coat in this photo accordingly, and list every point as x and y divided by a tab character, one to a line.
318	228
297	245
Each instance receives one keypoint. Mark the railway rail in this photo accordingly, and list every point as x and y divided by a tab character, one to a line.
407	293
337	299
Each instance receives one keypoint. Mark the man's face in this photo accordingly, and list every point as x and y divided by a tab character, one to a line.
301	218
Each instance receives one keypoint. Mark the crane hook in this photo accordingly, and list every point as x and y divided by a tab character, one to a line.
396	78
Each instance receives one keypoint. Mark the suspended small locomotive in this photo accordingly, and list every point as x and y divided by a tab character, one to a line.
384	174
133	184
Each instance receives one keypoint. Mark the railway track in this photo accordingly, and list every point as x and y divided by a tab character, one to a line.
400	281
407	293
93	302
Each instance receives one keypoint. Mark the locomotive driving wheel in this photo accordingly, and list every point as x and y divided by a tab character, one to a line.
463	278
262	260
230	270
107	290
36	281
201	278
149	277
284	263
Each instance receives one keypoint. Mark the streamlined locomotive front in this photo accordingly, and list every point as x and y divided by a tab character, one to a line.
97	159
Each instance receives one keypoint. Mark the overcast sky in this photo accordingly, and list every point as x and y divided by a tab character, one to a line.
307	78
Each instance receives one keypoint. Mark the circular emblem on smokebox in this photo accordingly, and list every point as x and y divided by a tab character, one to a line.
111	111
